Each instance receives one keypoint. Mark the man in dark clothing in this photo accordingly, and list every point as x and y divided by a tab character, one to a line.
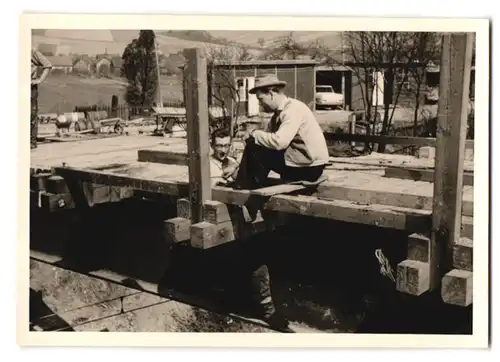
38	60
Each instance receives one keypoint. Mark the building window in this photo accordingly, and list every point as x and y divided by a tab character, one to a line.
403	78
242	89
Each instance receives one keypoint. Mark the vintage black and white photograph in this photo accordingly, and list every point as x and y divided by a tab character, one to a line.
253	181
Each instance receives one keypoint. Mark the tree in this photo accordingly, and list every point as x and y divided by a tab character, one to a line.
286	48
397	55
425	49
140	69
223	88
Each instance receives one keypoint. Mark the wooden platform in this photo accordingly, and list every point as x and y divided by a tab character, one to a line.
358	190
359	179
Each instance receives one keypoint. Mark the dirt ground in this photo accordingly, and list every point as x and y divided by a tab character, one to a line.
64	300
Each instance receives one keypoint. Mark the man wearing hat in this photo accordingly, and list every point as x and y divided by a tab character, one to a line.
293	144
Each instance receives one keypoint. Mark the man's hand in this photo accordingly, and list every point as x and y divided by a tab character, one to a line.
35	81
230	170
248	134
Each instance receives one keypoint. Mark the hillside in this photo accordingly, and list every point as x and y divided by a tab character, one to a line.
94	42
271	38
62	93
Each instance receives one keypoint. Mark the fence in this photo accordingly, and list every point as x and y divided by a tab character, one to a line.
125	111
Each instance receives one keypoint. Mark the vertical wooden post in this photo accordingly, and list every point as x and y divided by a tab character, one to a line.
456	59
196	102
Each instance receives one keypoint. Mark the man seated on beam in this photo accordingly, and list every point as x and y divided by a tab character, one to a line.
256	272
293	145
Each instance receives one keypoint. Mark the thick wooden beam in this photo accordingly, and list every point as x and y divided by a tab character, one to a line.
416	174
377	215
456	59
164	157
173	188
389	140
196	101
383	197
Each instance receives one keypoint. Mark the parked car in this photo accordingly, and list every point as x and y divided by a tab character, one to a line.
326	97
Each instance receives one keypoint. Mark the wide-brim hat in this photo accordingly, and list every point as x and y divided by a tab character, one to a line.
263	81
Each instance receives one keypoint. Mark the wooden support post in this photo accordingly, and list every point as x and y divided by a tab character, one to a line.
451	131
196	101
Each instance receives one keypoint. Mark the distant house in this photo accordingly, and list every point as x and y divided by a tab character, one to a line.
62	63
103	67
82	64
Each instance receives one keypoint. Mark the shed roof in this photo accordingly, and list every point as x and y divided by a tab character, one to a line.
268	62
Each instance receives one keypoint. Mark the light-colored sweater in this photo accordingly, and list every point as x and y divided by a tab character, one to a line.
294	128
217	169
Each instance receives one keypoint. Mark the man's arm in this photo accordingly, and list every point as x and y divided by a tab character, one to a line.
279	140
44	63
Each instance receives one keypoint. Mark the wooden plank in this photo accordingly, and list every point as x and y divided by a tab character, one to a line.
390	140
164	157
422	175
456	59
368	214
277	189
378	215
374	196
196	101
174	188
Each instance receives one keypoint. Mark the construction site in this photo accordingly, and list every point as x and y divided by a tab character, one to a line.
127	230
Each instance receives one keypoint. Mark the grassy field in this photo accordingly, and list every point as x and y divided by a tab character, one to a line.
61	93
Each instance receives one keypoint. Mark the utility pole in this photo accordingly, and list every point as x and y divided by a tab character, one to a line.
160	98
343	66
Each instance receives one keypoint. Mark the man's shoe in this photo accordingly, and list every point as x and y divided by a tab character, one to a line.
279	323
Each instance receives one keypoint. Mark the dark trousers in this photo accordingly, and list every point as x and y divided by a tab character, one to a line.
258	161
34	116
242	267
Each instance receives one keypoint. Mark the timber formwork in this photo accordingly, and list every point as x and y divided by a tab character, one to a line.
358	190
